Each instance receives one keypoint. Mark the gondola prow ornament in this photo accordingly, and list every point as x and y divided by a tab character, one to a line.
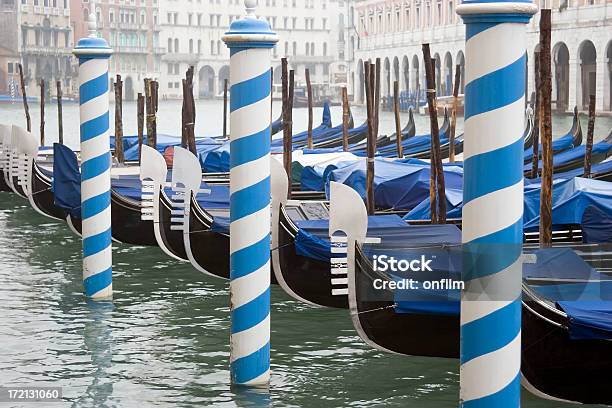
250	40
93	54
493	201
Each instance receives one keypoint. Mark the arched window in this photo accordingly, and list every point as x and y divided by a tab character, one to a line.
191	46
169	44
176	45
325	49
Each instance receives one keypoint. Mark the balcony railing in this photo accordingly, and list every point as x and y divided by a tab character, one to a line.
46	50
130	50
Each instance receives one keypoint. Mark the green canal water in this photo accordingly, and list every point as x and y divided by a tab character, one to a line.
164	338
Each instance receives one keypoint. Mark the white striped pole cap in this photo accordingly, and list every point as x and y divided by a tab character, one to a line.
250	32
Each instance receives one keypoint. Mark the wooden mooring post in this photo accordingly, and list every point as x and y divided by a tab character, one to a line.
589	142
140	119
453	124
398	125
42	112
24	96
345	119
546	130
60	119
119	154
309	94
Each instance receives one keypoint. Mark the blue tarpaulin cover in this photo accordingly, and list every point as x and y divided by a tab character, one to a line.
596	226
397	185
588	306
66	182
575	155
570	199
558	145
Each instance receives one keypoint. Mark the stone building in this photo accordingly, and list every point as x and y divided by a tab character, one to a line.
312	35
9	50
132	28
395	29
44	39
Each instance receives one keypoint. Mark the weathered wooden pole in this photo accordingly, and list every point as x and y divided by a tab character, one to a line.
225	82
376	91
309	92
140	109
250	41
287	127
42	112
453	124
60	119
535	159
370	84
589	142
436	159
492	233
398	126
345	119
190	112
150	108
93	54
26	107
546	130
119	120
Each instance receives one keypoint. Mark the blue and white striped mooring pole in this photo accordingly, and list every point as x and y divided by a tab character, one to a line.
93	54
250	40
493	201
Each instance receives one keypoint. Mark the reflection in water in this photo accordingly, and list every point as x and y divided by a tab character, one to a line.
164	339
97	336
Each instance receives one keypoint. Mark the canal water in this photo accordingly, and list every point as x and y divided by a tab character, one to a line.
164	338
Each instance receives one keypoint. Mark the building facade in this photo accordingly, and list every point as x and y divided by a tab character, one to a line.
312	35
9	49
394	30
132	29
44	39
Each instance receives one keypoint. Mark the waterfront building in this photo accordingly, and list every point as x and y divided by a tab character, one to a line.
41	31
132	29
312	35
9	51
394	30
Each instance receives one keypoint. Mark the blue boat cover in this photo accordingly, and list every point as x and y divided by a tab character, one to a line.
596	226
560	144
558	263
575	154
312	239
570	199
397	185
588	306
66	184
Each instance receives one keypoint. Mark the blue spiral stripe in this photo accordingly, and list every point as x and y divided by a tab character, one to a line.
95	166
99	281
94	127
249	148
478	331
249	92
95	195
247	368
505	398
252	199
480	181
95	205
252	313
495	89
249	259
491	325
93	88
96	243
249	215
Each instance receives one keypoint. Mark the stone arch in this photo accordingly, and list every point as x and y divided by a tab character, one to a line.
359	92
460	60
561	76
128	89
224	72
206	82
587	64
448	74
416	86
405	84
396	70
438	73
387	78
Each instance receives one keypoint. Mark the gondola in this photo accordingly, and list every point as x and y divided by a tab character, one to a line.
5	137
559	360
